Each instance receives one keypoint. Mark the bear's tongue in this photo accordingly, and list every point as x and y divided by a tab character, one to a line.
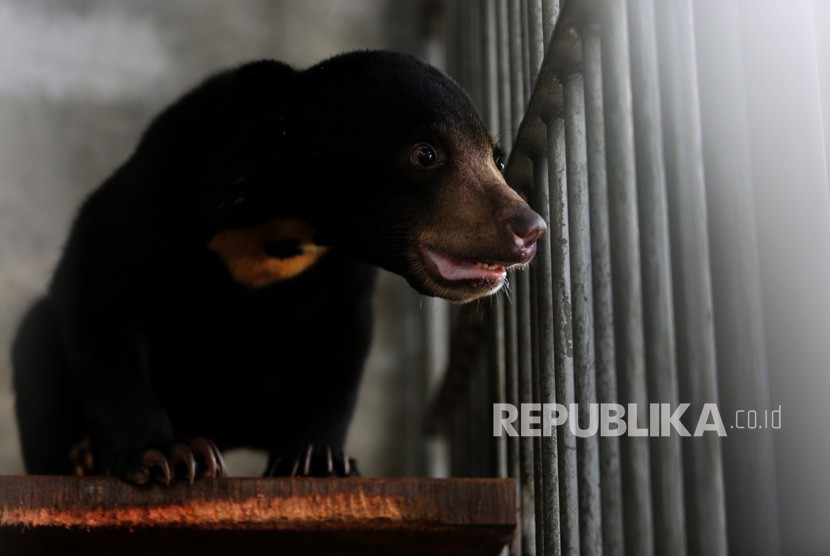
453	269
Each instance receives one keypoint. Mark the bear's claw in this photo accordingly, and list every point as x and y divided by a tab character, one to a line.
187	459
307	463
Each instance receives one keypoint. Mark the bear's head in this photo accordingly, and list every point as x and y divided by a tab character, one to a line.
396	159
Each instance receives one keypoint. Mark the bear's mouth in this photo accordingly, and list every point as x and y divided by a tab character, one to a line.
467	273
453	269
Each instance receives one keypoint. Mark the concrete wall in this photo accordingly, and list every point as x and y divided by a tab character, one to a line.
79	81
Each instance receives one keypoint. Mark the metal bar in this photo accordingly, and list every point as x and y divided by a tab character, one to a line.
563	332
524	331
462	50
468	431
481	424
517	86
498	384
435	314
749	469
451	60
550	11
506	131
658	311
535	38
497	369
610	472
691	273
489	52
550	525
625	262
539	490
475	74
527	77
584	361
511	356
456	450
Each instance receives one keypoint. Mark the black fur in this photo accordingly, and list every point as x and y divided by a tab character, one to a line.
145	337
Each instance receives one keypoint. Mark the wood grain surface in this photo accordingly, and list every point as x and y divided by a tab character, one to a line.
102	515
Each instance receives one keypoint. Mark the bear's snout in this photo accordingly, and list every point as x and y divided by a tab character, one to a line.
525	228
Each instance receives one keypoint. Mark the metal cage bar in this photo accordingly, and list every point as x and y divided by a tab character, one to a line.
625	266
525	333
524	18
517	86
550	12
562	332
490	64
584	361
658	309
691	273
548	477
506	130
535	39
610	471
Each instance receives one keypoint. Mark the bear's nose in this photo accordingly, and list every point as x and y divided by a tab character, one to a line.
526	228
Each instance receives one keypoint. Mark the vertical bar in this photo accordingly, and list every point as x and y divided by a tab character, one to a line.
506	131
749	470
456	450
480	425
462	33
590	522
451	39
475	74
550	11
610	472
511	356
497	362
563	332
498	384
539	486
550	524
470	428
525	385
527	77
658	311
517	88
435	319
693	290
489	52
625	263
536	39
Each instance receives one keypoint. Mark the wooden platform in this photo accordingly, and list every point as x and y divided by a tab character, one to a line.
101	515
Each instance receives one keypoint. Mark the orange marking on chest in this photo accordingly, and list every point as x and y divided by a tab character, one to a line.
243	251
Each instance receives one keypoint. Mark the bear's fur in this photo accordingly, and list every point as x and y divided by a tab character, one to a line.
215	290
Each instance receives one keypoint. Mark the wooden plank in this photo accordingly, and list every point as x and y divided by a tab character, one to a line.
102	515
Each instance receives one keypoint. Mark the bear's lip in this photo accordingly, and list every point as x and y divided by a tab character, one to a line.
452	269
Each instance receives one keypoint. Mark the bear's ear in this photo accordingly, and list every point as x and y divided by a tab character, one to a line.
263	88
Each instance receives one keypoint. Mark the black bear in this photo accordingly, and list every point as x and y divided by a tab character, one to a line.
215	290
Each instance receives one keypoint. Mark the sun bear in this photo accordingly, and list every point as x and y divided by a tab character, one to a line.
215	291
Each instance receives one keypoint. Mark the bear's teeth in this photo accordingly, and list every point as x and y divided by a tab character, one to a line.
486	266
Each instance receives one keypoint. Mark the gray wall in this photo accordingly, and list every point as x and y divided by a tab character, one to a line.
80	79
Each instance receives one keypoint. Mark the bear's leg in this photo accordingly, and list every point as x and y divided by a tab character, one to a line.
50	419
317	447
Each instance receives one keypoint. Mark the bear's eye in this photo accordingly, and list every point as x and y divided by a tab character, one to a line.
497	158
424	156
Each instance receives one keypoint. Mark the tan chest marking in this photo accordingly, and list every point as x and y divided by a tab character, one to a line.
243	251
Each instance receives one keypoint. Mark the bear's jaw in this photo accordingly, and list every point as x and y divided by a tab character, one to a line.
461	279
